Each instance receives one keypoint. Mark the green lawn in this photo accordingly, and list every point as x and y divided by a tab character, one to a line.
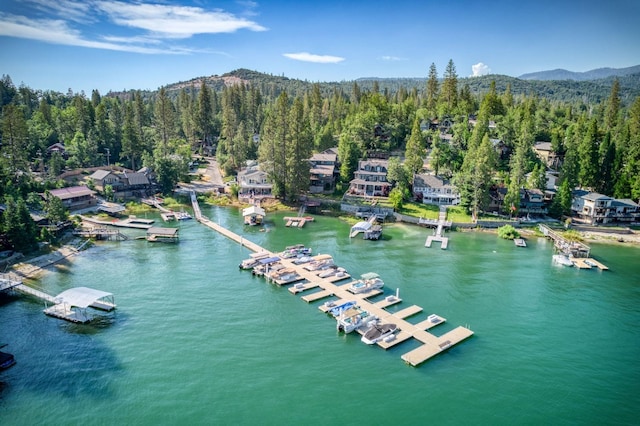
458	214
425	211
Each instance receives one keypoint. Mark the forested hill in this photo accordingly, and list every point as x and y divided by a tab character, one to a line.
591	91
562	74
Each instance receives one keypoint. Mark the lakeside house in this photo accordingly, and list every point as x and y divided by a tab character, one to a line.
370	179
324	172
594	208
75	197
125	183
253	184
435	190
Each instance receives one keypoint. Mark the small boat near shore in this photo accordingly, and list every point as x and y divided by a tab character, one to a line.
519	242
562	259
377	332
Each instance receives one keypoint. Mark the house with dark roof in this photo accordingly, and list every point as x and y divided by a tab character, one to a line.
594	208
324	172
532	201
370	179
75	197
435	190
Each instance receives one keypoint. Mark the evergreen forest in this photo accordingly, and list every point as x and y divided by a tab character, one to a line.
593	126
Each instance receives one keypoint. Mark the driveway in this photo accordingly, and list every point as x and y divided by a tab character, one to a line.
210	179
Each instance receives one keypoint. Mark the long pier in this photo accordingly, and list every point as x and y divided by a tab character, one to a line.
431	345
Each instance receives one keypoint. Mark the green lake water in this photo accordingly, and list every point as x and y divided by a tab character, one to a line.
197	341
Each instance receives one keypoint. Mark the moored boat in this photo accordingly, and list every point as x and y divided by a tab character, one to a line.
297	250
562	259
367	282
377	332
354	318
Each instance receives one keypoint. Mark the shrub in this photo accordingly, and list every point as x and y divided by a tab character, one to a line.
508	232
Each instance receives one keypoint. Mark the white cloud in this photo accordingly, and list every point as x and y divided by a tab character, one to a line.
58	32
310	57
174	21
69	9
480	69
392	58
155	24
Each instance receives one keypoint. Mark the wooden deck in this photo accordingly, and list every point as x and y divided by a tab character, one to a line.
588	263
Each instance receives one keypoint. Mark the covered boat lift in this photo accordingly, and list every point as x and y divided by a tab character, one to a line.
72	305
253	215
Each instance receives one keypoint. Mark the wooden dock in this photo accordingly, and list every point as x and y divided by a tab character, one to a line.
431	344
588	263
438	235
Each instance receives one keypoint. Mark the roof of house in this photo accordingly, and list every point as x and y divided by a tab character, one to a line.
542	146
373	162
71	192
137	178
624	202
431	181
325	157
100	174
593	196
323	169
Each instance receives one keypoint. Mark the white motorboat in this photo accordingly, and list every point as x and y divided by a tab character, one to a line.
562	259
367	282
377	332
353	318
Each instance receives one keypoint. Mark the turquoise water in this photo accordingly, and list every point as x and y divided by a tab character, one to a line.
196	341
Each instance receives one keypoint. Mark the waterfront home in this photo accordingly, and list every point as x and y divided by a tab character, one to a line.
75	197
324	172
253	184
102	178
435	190
370	179
594	208
532	201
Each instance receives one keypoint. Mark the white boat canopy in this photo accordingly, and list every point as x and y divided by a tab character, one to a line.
253	210
361	226
81	297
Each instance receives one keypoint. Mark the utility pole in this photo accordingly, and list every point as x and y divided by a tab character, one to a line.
108	154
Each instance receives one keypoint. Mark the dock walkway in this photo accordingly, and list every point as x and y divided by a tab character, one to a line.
431	345
440	224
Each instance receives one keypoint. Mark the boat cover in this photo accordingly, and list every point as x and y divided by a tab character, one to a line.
269	260
81	297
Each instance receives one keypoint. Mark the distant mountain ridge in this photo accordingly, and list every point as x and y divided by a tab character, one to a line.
596	74
588	91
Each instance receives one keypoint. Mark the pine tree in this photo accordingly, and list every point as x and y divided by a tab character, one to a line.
432	90
415	151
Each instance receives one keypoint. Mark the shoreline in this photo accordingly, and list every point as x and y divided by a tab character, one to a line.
34	268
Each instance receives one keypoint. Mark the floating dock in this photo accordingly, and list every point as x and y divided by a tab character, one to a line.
431	345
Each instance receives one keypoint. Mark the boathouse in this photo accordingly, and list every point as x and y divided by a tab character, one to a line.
164	235
72	304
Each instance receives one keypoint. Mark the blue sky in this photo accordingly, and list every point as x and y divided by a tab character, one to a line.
124	44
